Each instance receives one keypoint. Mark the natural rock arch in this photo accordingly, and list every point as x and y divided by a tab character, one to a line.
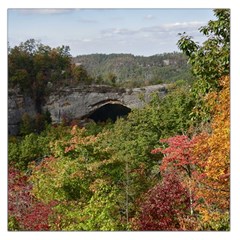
109	110
80	102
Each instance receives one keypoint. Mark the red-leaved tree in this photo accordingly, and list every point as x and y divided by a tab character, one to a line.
178	158
24	211
164	206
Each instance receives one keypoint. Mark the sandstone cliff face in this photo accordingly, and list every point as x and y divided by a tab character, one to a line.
18	104
77	103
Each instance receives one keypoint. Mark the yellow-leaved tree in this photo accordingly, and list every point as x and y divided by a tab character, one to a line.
213	153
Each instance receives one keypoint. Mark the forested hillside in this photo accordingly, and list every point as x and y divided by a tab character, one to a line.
131	71
164	167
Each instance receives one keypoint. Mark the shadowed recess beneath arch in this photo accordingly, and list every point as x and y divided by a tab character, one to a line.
109	111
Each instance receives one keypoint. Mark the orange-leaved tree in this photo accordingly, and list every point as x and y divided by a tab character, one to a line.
212	151
203	163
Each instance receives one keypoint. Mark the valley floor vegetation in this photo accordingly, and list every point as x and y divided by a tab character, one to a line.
164	167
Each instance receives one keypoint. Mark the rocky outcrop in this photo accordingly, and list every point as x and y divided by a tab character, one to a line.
18	104
80	102
77	103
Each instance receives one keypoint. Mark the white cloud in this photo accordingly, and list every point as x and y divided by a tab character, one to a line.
167	29
86	40
45	11
112	32
84	20
184	25
149	17
174	27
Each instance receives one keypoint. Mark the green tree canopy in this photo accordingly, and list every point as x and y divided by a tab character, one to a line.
32	65
211	60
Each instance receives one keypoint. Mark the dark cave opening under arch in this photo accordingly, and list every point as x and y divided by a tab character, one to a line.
109	111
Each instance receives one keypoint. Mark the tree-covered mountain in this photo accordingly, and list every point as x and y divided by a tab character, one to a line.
130	70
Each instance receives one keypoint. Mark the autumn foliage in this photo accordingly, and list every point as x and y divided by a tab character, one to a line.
87	182
203	163
103	181
119	176
25	212
213	152
164	206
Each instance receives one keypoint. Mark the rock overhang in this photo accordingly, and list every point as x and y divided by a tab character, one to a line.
79	103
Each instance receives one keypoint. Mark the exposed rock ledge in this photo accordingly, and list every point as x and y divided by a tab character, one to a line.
77	103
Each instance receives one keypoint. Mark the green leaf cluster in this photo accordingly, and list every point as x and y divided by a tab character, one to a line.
210	61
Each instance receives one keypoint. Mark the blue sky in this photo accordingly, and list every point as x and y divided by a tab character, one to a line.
137	31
